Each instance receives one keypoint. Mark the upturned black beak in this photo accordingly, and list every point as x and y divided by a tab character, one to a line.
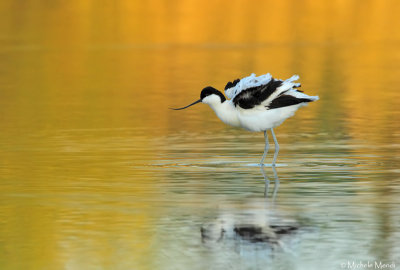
186	106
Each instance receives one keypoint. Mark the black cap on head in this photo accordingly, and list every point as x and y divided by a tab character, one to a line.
207	91
204	93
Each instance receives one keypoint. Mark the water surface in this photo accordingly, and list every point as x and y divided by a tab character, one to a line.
97	173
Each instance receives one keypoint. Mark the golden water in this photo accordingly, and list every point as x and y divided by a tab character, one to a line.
97	173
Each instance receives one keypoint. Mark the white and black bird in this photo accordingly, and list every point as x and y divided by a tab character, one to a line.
256	104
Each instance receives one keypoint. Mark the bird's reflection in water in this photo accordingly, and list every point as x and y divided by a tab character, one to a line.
257	222
267	183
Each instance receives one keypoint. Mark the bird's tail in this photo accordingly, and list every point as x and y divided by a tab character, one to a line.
313	98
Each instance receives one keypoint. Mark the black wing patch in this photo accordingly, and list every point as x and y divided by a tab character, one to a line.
297	86
254	96
232	84
286	100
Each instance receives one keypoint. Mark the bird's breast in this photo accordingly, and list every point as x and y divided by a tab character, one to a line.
227	113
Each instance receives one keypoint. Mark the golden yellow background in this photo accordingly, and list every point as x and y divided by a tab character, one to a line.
91	159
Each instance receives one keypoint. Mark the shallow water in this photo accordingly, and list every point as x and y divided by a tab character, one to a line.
97	173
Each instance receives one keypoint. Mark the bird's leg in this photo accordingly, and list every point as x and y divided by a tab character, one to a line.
276	147
265	149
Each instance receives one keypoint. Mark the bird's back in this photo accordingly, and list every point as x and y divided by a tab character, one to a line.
237	86
265	91
264	102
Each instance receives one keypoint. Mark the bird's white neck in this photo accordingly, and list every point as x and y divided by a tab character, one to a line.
226	112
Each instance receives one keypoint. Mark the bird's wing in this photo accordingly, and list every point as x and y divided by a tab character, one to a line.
232	89
287	95
291	97
286	87
275	93
254	96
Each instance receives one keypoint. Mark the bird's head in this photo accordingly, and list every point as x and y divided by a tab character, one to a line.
209	95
